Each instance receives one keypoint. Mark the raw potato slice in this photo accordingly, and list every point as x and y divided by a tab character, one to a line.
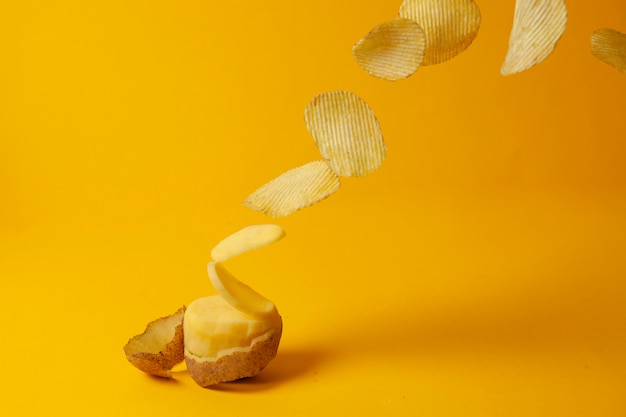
609	46
392	50
537	27
450	26
223	344
346	132
247	239
159	347
295	189
238	294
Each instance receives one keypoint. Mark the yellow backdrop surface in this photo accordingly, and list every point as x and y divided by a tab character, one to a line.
479	272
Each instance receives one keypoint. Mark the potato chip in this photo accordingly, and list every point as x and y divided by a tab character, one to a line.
392	50
247	239
295	189
537	27
609	46
450	26
346	132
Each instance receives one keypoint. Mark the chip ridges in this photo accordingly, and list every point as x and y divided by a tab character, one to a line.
295	189
609	46
450	26
346	133
393	50
537	27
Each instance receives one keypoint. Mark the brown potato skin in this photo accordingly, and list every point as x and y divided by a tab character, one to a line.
160	364
237	365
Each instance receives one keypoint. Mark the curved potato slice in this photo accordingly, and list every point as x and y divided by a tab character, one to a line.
295	189
392	50
346	132
537	27
450	26
159	347
609	46
247	239
238	294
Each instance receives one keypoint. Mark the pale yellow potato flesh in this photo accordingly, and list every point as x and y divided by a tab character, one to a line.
537	27
224	344
238	294
247	239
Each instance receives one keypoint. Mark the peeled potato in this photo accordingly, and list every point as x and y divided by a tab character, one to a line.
159	347
223	344
295	189
609	46
537	27
450	26
393	50
346	133
247	239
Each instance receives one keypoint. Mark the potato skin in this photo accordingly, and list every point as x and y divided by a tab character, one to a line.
237	365
161	363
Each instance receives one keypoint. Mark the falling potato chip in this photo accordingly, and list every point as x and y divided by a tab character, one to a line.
295	189
450	26
537	27
159	347
392	50
346	132
247	239
609	46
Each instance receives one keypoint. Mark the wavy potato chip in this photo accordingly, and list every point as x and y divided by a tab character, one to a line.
346	132
609	46
295	189
393	50
450	26
537	27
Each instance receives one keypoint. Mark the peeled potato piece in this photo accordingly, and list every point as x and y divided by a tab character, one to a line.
236	293
609	46
450	26
392	50
247	239
295	189
224	344
159	347
346	132
537	27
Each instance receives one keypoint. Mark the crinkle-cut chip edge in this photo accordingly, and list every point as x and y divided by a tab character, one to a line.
294	190
393	50
346	132
530	24
442	43
156	351
609	46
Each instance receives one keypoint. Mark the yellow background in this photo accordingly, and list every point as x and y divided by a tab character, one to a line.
479	272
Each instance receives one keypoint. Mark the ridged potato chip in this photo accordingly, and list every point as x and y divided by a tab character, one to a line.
346	132
537	27
295	189
450	26
393	50
609	46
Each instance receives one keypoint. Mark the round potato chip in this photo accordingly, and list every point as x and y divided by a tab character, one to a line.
537	27
346	132
450	26
609	46
392	50
295	189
